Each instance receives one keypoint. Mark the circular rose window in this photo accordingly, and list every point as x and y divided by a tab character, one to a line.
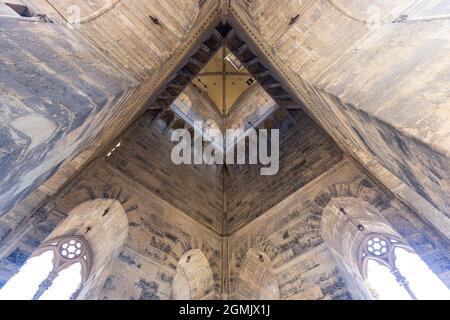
377	246
71	249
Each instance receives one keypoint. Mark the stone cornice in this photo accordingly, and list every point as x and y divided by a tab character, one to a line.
297	260
168	208
336	170
296	84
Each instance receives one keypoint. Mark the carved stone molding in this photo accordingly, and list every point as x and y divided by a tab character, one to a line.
337	169
41	214
296	83
224	7
148	90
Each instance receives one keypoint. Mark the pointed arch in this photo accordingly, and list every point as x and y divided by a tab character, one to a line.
346	221
194	278
104	225
256	279
89	238
47	267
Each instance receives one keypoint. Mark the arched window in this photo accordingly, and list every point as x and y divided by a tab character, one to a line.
56	271
394	271
377	262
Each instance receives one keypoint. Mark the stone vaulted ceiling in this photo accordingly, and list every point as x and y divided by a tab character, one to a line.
378	88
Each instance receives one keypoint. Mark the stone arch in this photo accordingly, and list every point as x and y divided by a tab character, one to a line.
256	279
175	125
85	191
345	223
394	213
364	190
183	249
103	224
259	243
194	278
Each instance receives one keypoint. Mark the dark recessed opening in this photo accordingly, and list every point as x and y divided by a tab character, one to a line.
224	29
21	10
222	35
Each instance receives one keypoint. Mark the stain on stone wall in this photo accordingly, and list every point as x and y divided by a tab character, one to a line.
305	153
24	247
290	235
159	235
145	155
54	94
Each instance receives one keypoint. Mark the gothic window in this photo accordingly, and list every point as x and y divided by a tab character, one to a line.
56	271
394	271
376	261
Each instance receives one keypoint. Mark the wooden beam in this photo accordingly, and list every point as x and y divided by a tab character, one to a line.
252	61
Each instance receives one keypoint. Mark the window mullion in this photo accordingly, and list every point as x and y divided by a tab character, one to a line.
404	283
45	285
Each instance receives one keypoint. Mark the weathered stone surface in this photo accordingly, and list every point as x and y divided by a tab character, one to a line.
379	90
290	234
305	152
76	79
16	256
43	102
381	87
124	31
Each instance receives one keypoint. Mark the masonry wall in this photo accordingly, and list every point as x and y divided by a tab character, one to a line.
381	86
145	155
305	152
159	235
251	109
21	245
290	235
60	85
54	95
